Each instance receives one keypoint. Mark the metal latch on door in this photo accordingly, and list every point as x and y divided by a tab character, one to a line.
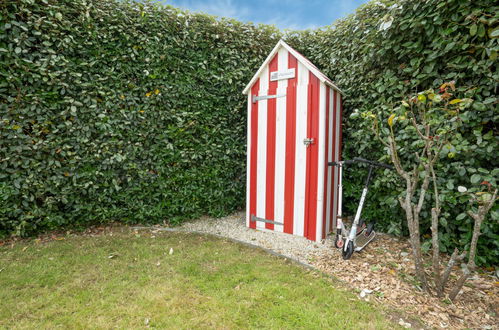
266	97
308	141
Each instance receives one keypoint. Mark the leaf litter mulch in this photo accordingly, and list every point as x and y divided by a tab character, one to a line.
384	273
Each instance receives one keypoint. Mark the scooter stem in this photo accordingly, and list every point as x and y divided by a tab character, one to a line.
339	223
353	230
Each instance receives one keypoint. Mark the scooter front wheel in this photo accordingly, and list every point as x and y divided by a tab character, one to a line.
348	251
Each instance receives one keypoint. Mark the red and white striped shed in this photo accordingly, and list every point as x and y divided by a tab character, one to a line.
294	129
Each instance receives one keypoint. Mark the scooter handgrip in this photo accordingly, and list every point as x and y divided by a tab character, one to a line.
390	167
340	162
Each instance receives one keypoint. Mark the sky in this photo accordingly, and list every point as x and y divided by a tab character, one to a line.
285	14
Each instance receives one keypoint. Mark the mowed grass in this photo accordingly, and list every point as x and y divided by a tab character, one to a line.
206	283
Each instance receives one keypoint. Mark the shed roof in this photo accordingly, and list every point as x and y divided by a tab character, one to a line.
303	60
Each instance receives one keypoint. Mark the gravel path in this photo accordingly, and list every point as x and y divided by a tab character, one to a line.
233	227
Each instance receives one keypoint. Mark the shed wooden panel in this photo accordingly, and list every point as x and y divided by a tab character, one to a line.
294	130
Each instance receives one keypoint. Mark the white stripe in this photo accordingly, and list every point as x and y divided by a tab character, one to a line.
300	157
336	153
334	170
280	144
329	159
248	151
320	166
261	158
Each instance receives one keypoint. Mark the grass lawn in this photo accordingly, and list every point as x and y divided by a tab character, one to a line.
120	279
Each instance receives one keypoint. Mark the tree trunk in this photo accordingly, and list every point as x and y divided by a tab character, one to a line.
414	238
416	252
452	261
436	251
460	282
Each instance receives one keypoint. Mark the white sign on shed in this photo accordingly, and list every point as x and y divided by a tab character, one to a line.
284	74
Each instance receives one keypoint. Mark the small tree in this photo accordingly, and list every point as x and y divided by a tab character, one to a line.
418	135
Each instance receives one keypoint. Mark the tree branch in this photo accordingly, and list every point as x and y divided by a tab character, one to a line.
470	267
478	217
435	214
394	156
436	250
452	261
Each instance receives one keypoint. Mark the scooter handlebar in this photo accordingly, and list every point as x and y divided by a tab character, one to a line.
372	162
360	160
345	162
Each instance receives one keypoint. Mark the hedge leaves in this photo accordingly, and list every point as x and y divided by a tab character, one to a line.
115	111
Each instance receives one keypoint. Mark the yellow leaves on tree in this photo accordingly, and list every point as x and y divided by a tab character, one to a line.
390	120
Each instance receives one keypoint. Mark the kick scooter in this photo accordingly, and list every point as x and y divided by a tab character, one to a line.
360	235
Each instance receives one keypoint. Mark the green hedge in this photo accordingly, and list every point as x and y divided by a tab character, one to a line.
427	43
114	111
117	111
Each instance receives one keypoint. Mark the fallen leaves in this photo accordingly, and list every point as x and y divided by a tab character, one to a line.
384	274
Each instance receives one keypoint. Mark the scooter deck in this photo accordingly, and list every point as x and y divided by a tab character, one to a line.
362	240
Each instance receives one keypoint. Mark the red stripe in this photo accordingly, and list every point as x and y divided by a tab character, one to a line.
271	132
341	128
253	153
326	198
289	170
334	188
312	158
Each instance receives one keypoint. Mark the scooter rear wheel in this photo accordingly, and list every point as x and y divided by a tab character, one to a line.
347	253
338	242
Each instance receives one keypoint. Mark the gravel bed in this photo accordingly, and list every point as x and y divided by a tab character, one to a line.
233	226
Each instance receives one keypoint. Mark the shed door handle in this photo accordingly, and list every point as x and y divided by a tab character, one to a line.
308	141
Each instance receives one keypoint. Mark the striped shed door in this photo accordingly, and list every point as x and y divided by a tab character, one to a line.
293	131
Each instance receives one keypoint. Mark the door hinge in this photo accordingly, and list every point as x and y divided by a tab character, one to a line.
255	219
308	141
266	97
